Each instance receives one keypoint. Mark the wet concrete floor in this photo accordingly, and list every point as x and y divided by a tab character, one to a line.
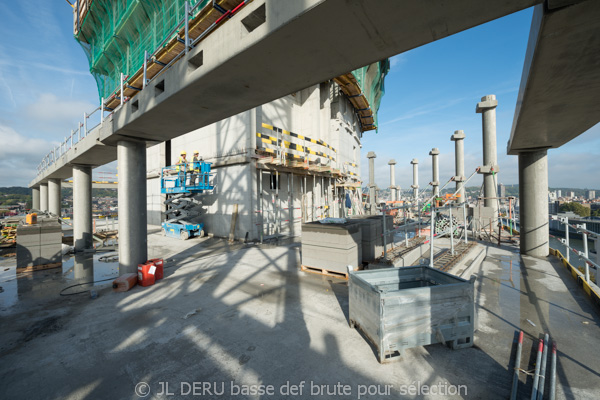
237	315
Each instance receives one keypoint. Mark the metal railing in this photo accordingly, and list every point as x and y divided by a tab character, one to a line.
82	130
583	255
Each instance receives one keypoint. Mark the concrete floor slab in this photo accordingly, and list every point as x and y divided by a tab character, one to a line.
245	314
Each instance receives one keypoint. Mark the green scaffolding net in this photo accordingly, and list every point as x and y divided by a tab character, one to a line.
115	34
371	81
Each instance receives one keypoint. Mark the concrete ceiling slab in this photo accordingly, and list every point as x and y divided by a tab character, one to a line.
560	86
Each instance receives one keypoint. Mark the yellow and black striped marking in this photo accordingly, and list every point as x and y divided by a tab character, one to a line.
296	135
292	146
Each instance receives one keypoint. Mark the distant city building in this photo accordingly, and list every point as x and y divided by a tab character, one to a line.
553	207
591	194
571	195
501	190
552	196
558	193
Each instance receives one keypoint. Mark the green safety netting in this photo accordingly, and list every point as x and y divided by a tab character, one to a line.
371	81
115	34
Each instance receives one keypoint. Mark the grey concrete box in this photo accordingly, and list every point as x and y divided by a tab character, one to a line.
342	236
50	238
50	254
331	259
401	308
27	256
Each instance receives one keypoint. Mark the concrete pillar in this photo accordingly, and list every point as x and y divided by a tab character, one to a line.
487	108
533	189
54	198
82	207
133	229
435	171
459	163
35	198
415	185
392	164
43	197
372	202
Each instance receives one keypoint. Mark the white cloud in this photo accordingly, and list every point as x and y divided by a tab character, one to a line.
19	157
397	60
50	109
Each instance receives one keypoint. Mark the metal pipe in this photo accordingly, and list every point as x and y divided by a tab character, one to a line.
543	369
145	78
122	95
553	372
513	392
451	233
415	185
465	221
432	224
102	111
260	206
405	229
384	233
536	377
187	26
566	222
85	117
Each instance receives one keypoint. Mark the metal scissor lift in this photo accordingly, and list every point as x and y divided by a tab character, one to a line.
181	187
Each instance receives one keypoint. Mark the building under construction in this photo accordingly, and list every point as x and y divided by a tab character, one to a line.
289	161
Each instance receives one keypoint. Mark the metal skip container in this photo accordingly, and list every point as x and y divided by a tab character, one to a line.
402	308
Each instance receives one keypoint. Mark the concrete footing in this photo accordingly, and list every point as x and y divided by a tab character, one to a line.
533	192
133	231
82	207
54	197
43	197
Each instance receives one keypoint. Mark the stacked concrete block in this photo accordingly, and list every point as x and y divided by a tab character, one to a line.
371	236
331	247
39	244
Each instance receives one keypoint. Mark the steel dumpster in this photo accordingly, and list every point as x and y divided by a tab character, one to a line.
401	308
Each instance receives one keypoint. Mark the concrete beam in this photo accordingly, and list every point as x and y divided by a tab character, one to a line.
533	198
560	84
54	197
237	73
82	207
232	69
133	231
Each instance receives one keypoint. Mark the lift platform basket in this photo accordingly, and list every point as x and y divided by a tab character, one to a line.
401	308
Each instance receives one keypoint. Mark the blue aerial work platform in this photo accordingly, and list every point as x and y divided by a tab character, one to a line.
182	183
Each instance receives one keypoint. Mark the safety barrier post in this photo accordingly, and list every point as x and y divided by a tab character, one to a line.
451	233
102	111
187	33
431	230
566	222
585	252
85	117
122	95
145	78
384	233
465	221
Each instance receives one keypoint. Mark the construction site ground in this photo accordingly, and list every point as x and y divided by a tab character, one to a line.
228	315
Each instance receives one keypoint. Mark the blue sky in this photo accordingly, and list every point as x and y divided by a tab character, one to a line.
45	87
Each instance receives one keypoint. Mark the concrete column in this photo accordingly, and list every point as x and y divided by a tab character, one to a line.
35	198
54	198
487	107
435	171
533	189
133	230
82	207
392	164
43	197
459	163
372	203
415	185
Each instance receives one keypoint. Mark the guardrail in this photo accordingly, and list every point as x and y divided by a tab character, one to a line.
77	135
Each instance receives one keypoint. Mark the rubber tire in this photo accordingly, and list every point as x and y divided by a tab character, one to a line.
201	233
184	235
163	232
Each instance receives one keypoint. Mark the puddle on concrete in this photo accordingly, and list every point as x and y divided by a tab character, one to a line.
39	285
